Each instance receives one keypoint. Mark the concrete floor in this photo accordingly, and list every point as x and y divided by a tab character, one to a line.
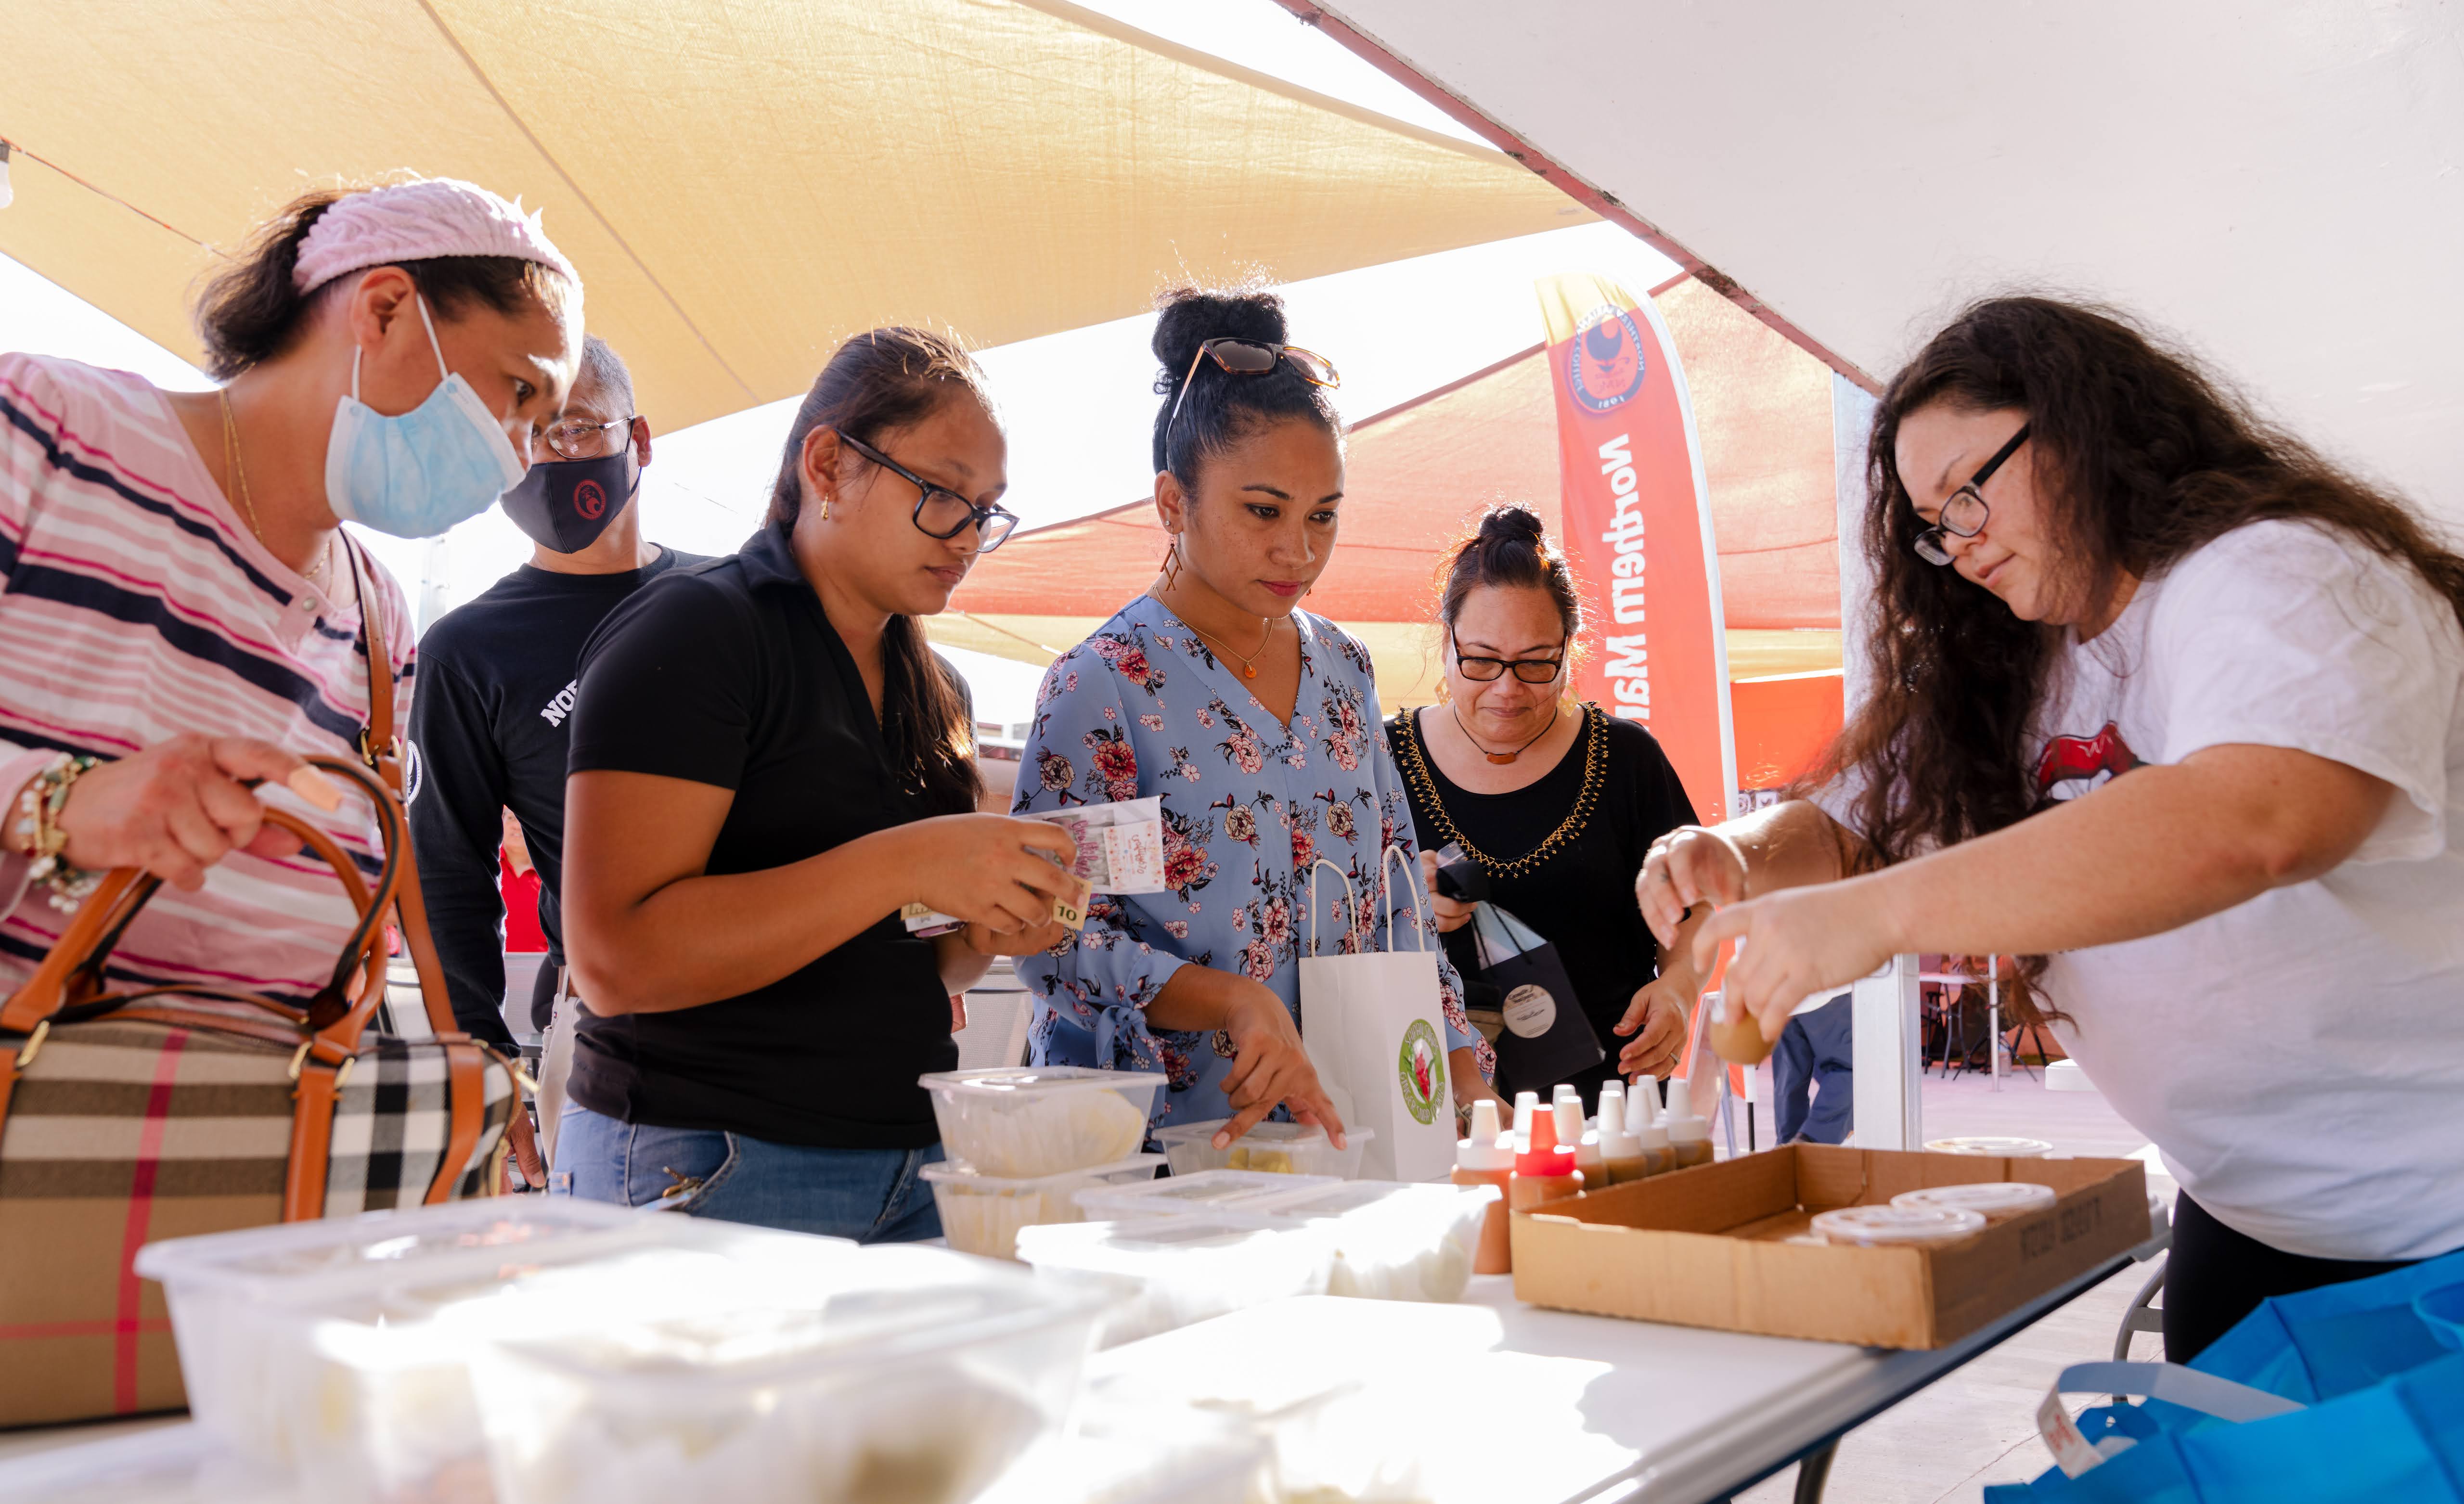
1978	1425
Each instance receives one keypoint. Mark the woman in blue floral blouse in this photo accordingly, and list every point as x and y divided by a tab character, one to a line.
1256	723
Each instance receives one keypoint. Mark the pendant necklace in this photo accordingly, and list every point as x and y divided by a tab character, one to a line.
1501	758
1249	665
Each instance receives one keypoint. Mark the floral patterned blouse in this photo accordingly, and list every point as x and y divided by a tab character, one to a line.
1249	807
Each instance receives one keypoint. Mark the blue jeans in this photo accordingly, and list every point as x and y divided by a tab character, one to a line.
1816	1050
871	1195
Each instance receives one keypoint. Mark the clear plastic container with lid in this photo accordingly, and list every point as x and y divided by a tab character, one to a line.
1206	1193
1178	1271
242	1302
1392	1241
1275	1148
1881	1227
1025	1122
981	1213
383	1407
1994	1200
898	1373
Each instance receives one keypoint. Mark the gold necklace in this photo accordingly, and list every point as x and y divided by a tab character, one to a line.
1503	758
1595	765
233	467
1249	665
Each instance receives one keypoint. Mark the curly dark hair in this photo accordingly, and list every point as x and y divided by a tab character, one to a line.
2139	458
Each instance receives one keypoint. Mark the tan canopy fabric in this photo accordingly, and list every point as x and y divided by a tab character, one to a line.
741	181
1416	475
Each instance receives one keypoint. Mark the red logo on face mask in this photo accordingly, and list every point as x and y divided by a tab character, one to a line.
589	500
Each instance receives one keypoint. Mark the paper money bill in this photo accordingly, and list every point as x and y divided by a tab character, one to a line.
1120	850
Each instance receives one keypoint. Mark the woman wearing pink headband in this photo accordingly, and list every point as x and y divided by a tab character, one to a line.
180	615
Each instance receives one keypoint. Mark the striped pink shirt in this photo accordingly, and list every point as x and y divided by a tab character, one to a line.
136	605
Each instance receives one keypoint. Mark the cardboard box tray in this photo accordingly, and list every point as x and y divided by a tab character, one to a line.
1707	1246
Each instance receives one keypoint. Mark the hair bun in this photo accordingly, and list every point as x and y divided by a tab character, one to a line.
1511	525
1192	316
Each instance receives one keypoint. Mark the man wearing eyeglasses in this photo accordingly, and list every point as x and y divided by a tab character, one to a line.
495	690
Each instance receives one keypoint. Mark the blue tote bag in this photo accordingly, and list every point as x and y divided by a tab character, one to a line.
2348	1393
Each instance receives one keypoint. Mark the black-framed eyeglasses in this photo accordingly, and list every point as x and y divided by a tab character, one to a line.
580	439
941	513
1964	515
1530	670
1239	357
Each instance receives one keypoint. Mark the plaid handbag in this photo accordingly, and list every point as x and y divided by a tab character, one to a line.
131	1116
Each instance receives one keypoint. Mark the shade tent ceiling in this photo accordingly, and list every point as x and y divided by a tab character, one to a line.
1416	475
742	183
1857	169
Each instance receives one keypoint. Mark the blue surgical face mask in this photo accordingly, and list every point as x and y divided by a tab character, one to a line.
444	462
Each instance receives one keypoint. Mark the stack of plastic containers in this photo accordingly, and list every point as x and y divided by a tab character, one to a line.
548	1350
903	1373
1204	1245
309	1347
1024	1143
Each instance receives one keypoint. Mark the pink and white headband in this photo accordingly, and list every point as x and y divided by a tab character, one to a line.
415	221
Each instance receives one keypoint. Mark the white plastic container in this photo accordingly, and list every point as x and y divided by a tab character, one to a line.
904	1373
1205	1194
1178	1271
385	1405
1282	1148
981	1213
1022	1122
1392	1241
1881	1227
1993	1200
240	1301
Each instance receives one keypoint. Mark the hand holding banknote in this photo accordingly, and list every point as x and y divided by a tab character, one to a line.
992	871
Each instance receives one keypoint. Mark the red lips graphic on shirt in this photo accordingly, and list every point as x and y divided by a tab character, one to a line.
2075	758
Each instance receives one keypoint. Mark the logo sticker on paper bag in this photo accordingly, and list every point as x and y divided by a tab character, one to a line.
1530	1011
1421	1067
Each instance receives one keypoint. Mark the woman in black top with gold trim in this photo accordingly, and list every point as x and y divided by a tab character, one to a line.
1557	802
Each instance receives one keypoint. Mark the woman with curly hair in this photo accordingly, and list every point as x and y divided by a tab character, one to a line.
2168	705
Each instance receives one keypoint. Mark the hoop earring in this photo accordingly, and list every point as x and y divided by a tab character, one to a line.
1172	564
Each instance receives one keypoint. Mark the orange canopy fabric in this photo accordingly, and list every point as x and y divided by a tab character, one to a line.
1417	476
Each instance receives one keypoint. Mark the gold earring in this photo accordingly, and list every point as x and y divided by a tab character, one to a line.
826	508
1172	564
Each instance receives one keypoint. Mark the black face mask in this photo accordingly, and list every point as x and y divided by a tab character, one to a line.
565	505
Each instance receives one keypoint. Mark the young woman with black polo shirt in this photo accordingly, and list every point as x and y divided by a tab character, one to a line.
767	763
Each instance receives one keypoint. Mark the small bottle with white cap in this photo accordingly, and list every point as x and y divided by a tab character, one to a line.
1488	1159
1650	1134
1689	1134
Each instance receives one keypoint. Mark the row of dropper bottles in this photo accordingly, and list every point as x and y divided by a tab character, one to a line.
1555	1153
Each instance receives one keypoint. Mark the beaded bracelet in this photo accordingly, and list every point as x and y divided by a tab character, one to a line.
39	834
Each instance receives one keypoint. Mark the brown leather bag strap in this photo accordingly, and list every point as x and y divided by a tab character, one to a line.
312	1139
382	750
77	957
466	1089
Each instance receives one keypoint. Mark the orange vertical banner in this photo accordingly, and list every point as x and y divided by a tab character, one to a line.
1637	529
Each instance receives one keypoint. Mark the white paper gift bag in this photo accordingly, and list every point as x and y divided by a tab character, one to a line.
1375	1034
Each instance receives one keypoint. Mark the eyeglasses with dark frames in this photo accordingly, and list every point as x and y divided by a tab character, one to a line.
580	439
1530	670
1964	513
1239	356
941	513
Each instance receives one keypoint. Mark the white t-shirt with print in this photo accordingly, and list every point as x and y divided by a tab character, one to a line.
2298	1060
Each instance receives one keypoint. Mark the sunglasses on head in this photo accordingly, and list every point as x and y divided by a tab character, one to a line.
1250	358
